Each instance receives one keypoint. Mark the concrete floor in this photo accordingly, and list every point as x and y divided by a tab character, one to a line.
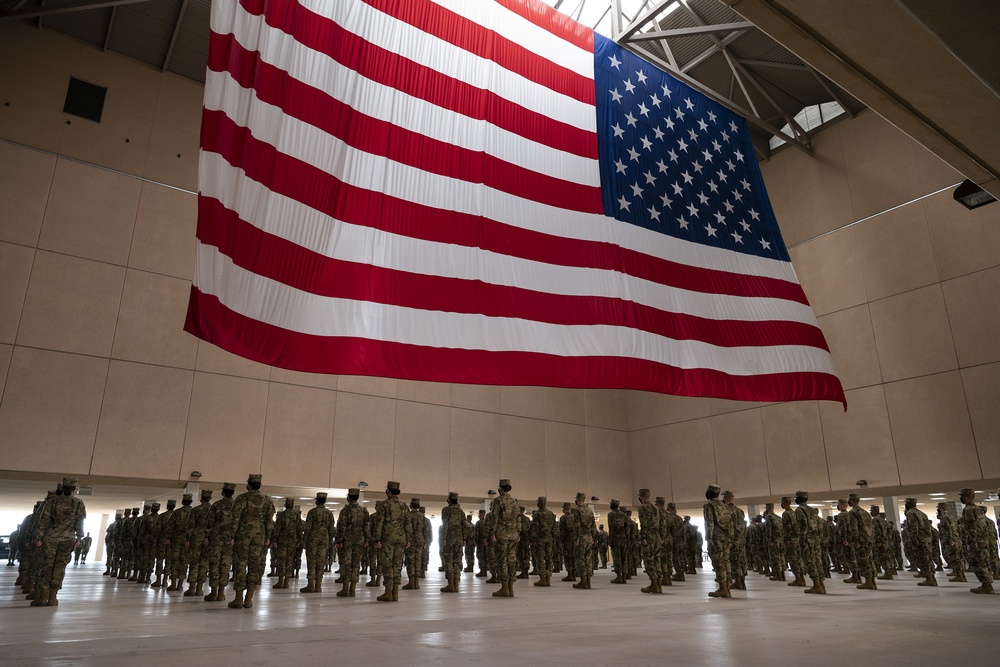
110	622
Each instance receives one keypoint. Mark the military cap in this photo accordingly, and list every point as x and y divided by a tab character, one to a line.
786	499
392	485
187	496
542	499
155	506
135	510
942	505
522	508
566	506
660	500
172	503
289	502
254	478
504	482
967	492
714	488
119	513
206	493
911	500
614	501
643	492
728	494
802	494
771	505
354	491
580	495
453	495
229	486
671	506
875	508
321	495
70	482
853	496
415	501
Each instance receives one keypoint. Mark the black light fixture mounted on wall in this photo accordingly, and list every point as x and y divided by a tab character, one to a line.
971	196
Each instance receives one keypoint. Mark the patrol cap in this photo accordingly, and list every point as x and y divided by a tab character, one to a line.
875	508
289	502
415	502
135	510
172	503
672	506
187	496
660	500
567	506
942	505
206	494
841	501
229	486
453	495
354	491
70	482
728	494
911	500
802	494
155	506
786	499
769	505
967	492
522	508
504	482
580	495
853	496
254	478
714	488
321	495
392	486
643	492
614	501
119	513
542	500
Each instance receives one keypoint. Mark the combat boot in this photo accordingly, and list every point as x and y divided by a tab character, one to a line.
41	599
800	580
853	578
52	601
157	583
237	602
717	593
248	600
619	579
411	585
20	579
493	579
353	583
869	585
450	588
541	581
679	576
480	574
665	580
524	574
190	591
929	581
373	582
310	587
318	586
887	576
387	596
279	583
395	592
345	592
221	595
569	577
339	580
982	589
31	591
815	588
510	588
199	590
658	586
648	589
959	576
738	584
582	584
503	592
211	596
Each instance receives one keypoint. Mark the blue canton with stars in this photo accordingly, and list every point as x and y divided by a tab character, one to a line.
676	162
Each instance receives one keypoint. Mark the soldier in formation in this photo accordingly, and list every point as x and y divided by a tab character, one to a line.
198	545
583	542
918	532
543	525
57	531
979	535
455	533
316	535
391	532
250	535
738	553
504	537
287	536
415	548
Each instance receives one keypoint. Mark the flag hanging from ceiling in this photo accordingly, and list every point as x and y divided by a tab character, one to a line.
490	193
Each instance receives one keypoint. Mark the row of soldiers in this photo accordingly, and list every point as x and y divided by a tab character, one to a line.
855	541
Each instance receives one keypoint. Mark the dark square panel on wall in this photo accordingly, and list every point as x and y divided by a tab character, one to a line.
85	99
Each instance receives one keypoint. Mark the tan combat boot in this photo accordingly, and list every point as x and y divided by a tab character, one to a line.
387	595
959	576
449	588
248	600
929	581
41	598
319	584
395	592
345	592
237	602
814	588
411	584
665	580
211	595
869	585
853	579
503	592
310	586
718	593
279	582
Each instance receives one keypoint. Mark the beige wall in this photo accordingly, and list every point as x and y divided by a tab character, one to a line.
98	379
910	304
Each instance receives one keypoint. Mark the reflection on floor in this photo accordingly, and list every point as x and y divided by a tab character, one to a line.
109	622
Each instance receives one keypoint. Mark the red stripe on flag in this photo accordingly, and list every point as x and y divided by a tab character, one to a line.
210	320
378	137
281	260
550	19
390	69
325	193
474	38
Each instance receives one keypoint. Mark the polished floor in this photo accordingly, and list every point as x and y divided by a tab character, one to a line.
108	622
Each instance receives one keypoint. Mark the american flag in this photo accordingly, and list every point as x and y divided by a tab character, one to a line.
485	192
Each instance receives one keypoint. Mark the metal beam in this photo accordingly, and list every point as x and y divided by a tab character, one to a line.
694	30
833	93
765	63
642	20
173	37
711	51
111	25
63	8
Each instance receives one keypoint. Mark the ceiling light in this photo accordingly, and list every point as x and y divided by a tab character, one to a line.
971	196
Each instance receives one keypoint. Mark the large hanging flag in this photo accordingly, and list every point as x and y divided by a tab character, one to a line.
485	192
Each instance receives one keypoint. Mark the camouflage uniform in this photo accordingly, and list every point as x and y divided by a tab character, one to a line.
110	543
58	527
126	543
809	528
287	537
667	530
860	539
316	538
618	537
470	545
883	544
523	544
253	524
679	532
415	548
650	535
719	535
453	523
198	551
918	527
790	534
481	543
976	529
738	554
178	542
543	523
567	530
147	539
601	546
391	534
774	541
505	511
583	542
161	549
220	550
352	537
